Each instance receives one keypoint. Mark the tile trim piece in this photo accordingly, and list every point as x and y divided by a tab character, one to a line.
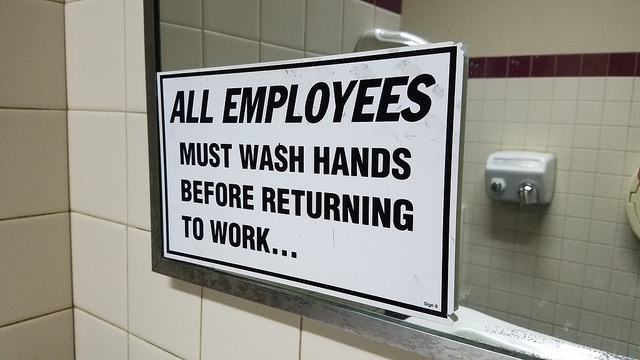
391	5
565	65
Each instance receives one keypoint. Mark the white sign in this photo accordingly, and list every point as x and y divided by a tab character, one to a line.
335	174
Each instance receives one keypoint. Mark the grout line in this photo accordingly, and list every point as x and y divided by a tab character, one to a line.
36	215
37	317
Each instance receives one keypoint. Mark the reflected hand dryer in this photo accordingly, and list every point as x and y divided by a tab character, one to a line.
524	177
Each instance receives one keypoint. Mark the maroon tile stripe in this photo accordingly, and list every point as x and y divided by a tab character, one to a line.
391	5
603	64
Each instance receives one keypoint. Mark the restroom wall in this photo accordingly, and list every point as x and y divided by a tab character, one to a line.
35	264
570	269
520	27
123	310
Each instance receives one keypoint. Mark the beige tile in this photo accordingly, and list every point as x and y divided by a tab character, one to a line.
323	33
135	62
181	47
321	342
238	18
228	321
138	203
98	164
35	267
162	311
33	159
95	55
220	50
99	252
183	12
46	337
275	30
270	52
358	18
142	350
386	19
96	339
618	89
32	65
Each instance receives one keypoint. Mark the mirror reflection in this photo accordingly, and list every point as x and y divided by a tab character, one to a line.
550	77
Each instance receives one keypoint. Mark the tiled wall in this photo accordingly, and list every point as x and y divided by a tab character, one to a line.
571	268
207	33
122	309
35	265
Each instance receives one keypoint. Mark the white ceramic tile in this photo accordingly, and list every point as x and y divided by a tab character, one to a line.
493	110
181	12
491	132
95	54
33	162
589	112
386	19
560	135
45	337
634	118
270	52
613	138
616	113
358	17
323	33
617	328
239	18
97	339
475	89
563	112
584	160
228	321
591	88
602	232
162	310
541	88
99	253
516	111
276	30
98	164
322	342
539	111
513	134
618	89
495	89
32	68
605	209
565	88
636	89
581	183
138	200
611	162
602	256
609	186
536	134
34	259
181	47
633	139
518	88
135	63
142	350
220	50
586	137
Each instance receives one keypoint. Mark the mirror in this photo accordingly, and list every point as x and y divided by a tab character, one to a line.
567	271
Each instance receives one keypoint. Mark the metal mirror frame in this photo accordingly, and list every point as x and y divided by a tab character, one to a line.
359	320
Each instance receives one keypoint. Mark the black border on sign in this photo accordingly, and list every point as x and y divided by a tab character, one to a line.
451	50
